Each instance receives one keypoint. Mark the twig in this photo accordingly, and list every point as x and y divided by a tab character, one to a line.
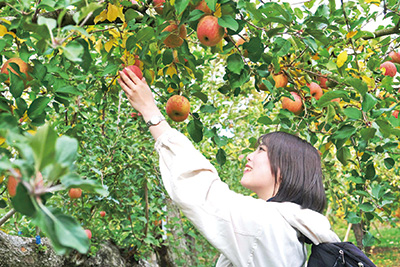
7	216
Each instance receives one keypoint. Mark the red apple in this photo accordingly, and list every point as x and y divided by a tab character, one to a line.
322	81
75	193
13	182
23	68
176	37
159	6
389	69
102	213
315	90
395	56
134	69
202	5
137	61
209	32
88	233
280	78
395	113
295	106
178	108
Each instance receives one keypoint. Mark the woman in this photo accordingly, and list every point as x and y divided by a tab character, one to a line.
284	171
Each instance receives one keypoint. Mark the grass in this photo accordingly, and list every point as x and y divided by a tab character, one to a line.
386	252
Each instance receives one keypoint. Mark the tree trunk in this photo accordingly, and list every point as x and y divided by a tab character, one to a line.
359	234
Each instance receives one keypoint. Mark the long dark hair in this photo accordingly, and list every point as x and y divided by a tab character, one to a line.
296	165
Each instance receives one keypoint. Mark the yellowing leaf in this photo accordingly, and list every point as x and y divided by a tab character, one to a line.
98	46
341	59
218	12
375	2
315	57
2	140
114	12
369	81
171	70
3	30
170	89
101	17
351	34
109	45
190	72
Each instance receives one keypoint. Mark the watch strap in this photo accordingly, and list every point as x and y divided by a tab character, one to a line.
155	120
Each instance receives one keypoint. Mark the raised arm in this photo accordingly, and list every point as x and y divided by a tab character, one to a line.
141	99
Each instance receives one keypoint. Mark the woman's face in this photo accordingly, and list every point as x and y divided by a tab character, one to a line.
257	174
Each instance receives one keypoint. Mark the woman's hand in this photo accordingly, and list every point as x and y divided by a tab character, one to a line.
138	93
141	99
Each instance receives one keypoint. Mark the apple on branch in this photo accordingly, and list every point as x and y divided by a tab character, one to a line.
178	108
75	193
23	68
159	6
315	90
295	106
395	57
202	5
280	78
176	36
209	32
135	69
388	68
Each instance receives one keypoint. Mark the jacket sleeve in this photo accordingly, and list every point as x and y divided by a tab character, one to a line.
194	185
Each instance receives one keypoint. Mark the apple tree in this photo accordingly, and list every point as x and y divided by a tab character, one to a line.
310	69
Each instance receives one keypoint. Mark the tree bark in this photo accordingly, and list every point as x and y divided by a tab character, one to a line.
359	234
16	251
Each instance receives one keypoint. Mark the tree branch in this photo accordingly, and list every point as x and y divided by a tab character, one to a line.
384	32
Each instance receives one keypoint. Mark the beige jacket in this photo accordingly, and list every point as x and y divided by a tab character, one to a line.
247	231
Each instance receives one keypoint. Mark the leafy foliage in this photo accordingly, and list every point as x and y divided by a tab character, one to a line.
72	124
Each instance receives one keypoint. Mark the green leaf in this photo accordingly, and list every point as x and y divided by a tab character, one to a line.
195	129
358	84
367	207
328	96
202	96
377	191
353	113
369	102
353	218
221	156
49	22
228	22
70	234
180	6
43	146
66	150
208	109
311	43
370	171
38	107
389	163
345	132
22	202
68	90
343	155
264	120
46	225
367	133
235	63
73	180
368	240
281	47
144	35
384	127
167	57
16	84
73	51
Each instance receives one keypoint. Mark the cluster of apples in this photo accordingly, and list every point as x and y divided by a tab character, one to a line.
209	32
388	67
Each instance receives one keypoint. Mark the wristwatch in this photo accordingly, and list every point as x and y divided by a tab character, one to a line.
155	120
